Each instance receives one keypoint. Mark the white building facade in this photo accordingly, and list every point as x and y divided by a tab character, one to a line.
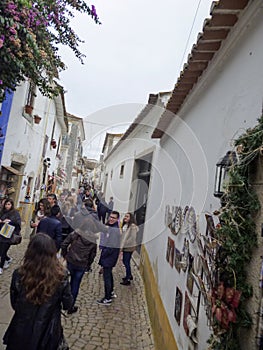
172	176
127	167
220	103
31	152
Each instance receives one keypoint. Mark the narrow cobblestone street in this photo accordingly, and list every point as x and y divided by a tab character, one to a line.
124	325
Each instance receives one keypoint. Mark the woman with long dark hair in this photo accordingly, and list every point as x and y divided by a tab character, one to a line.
128	245
11	216
43	208
39	290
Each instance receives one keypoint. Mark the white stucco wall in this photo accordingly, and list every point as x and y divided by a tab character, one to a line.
138	143
26	139
228	101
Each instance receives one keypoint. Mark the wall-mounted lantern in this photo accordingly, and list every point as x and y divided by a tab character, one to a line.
222	170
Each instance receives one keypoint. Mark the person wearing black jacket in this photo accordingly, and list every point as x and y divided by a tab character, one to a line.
51	225
110	249
11	216
39	290
80	247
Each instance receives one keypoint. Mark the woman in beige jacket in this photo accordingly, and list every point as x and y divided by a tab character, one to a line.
128	245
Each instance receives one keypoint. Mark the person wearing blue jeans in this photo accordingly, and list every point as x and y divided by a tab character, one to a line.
128	245
108	282
79	247
126	259
76	274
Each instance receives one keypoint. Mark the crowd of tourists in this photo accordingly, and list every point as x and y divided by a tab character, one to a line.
66	232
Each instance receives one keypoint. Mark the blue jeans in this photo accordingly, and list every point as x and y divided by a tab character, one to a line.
126	258
76	274
108	281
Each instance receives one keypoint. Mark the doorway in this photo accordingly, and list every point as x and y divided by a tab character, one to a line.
143	176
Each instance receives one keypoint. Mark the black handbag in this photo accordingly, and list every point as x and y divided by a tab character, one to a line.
15	239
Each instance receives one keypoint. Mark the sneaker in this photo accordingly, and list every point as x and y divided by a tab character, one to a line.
73	310
125	278
113	295
6	264
1	271
125	282
104	301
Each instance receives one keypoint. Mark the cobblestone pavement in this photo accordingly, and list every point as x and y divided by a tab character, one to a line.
123	325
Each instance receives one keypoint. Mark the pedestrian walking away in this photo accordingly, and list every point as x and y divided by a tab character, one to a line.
128	245
51	225
39	290
110	249
110	207
80	248
102	209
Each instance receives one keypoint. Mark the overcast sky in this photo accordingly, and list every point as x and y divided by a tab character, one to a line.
139	49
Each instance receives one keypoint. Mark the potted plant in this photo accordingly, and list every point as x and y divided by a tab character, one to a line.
28	109
37	119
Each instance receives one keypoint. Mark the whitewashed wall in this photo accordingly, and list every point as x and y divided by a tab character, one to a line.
25	139
227	101
138	143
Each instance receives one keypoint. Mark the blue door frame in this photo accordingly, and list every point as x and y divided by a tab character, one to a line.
4	118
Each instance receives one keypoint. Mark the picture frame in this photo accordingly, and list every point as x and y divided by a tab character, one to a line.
187	311
210	225
178	305
170	251
190	281
177	259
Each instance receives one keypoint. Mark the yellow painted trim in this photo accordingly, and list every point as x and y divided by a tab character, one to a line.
162	331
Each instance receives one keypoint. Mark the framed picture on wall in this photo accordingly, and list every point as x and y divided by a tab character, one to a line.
170	251
177	259
187	311
178	305
210	226
190	282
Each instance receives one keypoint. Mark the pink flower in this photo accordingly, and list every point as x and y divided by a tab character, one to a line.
2	39
12	30
93	11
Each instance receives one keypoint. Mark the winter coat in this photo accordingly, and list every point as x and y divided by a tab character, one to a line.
79	249
102	207
15	218
110	206
110	247
36	327
52	227
129	238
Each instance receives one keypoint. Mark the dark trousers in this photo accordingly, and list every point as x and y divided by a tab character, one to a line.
102	217
3	253
126	258
76	274
108	281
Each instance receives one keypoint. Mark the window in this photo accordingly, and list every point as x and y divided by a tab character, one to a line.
111	174
31	94
121	171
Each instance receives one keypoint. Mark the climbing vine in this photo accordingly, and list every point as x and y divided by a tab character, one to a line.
30	32
237	236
